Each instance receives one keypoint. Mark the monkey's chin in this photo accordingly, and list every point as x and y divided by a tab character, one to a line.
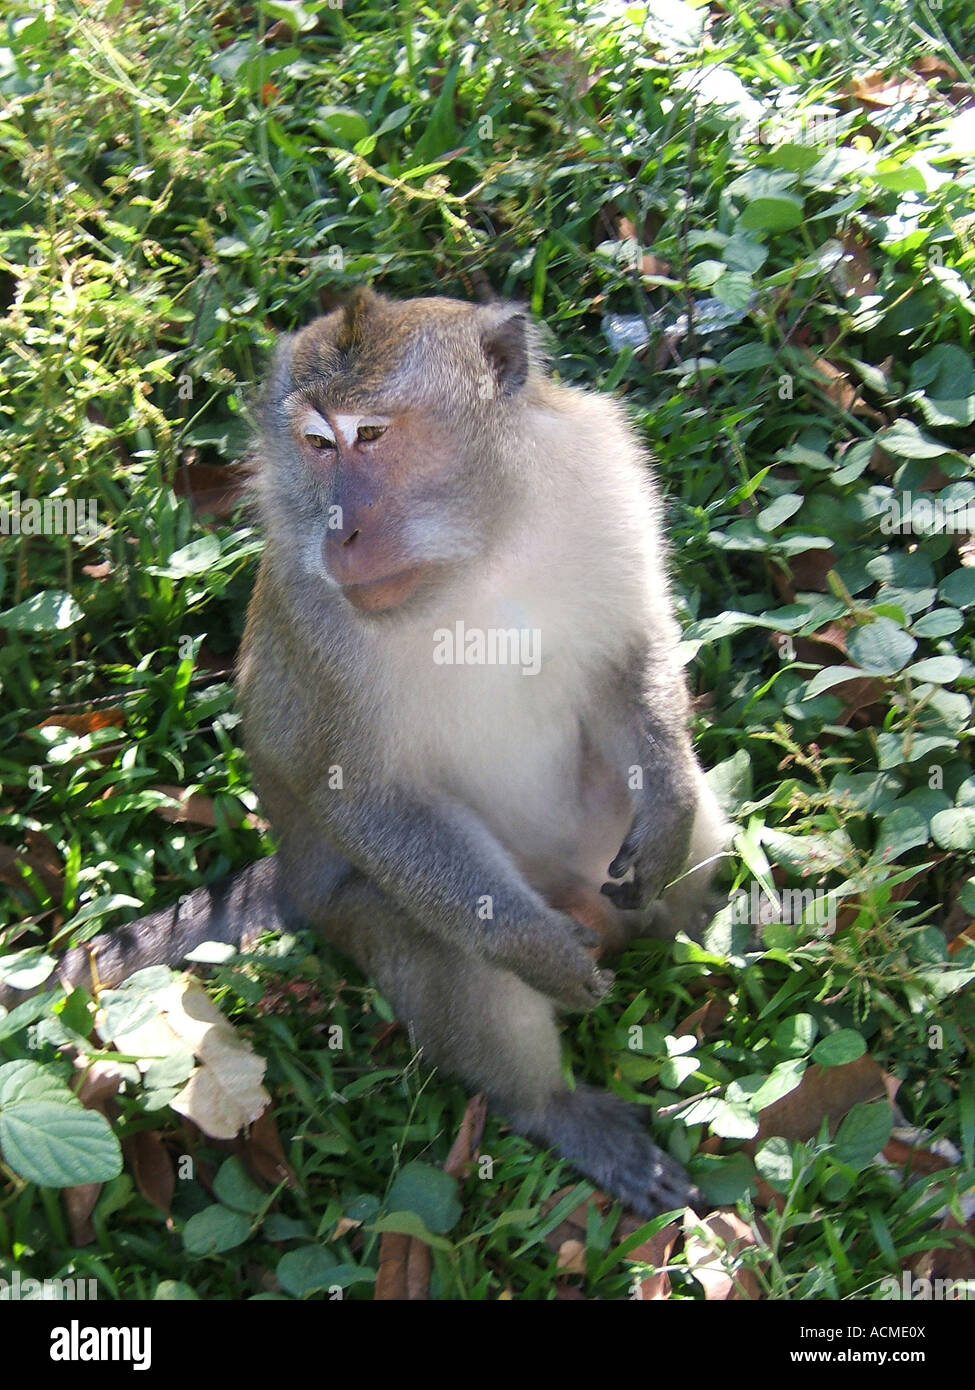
382	595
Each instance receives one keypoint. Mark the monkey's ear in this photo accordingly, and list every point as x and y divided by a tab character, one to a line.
361	305
279	377
506	349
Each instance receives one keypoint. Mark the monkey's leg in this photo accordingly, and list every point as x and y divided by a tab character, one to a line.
692	902
499	1035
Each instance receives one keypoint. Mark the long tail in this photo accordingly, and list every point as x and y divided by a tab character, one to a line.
232	910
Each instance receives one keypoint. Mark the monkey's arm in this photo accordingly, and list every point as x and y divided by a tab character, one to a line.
442	865
661	761
231	911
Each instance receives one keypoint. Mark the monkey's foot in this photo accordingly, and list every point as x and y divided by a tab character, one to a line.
606	1140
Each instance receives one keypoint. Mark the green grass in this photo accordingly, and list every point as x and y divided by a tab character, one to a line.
180	183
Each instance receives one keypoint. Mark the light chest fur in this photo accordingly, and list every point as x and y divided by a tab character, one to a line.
509	738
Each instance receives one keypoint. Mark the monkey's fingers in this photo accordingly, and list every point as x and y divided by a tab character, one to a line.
670	1187
626	856
625	896
587	937
582	929
587	992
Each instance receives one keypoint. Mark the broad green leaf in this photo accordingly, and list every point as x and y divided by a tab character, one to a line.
675	1071
783	1078
906	441
46	1134
731	781
881	647
429	1193
735	289
903	830
50	611
747	357
828	677
26	969
723	1178
938	670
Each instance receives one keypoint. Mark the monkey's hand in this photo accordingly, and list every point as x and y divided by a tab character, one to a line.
655	848
557	959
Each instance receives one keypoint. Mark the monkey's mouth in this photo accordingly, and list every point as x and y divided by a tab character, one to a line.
378	595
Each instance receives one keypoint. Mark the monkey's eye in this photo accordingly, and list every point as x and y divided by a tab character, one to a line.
320	441
365	433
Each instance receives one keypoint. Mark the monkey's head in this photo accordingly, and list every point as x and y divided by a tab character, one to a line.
389	431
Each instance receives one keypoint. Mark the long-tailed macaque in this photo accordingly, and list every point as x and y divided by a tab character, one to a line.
463	705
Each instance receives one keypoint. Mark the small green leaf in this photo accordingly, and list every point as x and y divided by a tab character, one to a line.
675	1071
773	1159
26	969
723	1178
778	511
195	558
966	896
828	677
772	214
306	1270
954	829
735	1120
215	1229
747	357
781	1080
958	588
735	288
845	1045
235	1189
863	1134
341	125
795	1036
939	623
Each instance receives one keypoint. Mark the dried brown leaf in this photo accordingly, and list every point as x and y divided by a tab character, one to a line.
88	722
705	1021
711	1247
79	1203
152	1168
824	1093
404	1268
464	1149
656	1252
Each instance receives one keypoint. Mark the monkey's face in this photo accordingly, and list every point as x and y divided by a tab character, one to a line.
387	477
388	439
